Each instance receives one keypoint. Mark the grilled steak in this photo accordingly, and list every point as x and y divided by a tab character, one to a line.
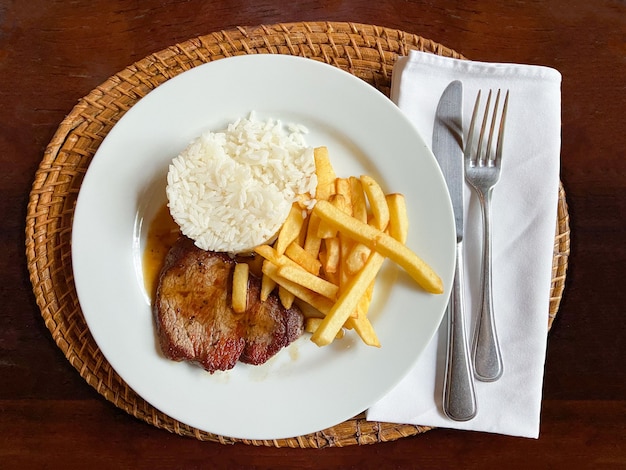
195	321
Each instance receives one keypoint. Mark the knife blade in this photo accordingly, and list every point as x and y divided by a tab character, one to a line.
459	397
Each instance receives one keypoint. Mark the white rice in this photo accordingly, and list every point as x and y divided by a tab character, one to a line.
232	190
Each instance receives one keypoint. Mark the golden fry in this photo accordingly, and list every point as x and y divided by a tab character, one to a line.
382	243
240	287
290	229
357	257
364	329
342	187
312	323
267	286
304	278
378	203
325	174
286	298
312	242
346	245
303	230
363	307
267	283
328	231
315	300
299	255
255	263
359	203
268	253
333	255
398	218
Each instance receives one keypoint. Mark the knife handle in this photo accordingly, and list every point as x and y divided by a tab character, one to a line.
459	397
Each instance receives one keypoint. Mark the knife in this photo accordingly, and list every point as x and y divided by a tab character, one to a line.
459	397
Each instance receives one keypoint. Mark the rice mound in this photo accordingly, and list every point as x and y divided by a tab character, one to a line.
231	191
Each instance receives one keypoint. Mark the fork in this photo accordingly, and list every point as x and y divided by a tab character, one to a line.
482	172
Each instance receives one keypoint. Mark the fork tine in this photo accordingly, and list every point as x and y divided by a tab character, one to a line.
470	135
480	161
488	159
501	129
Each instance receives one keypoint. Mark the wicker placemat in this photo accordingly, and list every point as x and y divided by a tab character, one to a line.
366	51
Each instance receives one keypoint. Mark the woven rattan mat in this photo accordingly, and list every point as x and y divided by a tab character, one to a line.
366	51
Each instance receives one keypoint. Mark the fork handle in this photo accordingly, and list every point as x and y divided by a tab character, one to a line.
487	358
459	398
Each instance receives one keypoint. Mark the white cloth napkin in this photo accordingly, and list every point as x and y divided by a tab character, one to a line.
523	228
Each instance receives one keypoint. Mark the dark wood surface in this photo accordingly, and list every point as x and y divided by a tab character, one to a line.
52	53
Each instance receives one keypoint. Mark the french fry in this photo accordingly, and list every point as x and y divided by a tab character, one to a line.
286	298
357	257
346	244
378	203
363	306
308	311
359	203
316	301
364	302
289	232
240	287
325	174
398	219
290	229
325	230
312	242
342	187
299	255
255	263
299	275
267	286
333	255
348	301
312	323
382	243
269	253
364	329
303	230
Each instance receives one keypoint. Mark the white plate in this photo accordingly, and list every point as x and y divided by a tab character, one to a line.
304	388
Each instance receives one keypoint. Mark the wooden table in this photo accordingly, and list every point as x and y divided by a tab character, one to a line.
52	53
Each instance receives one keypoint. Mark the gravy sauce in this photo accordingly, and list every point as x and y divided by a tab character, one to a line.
162	233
